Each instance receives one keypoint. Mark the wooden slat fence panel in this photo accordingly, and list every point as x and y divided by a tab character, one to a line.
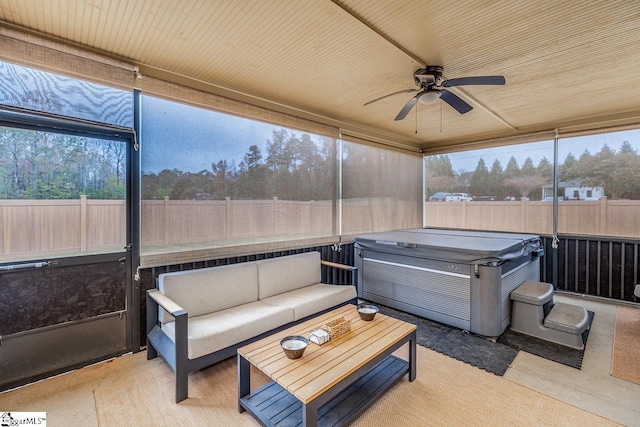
616	218
42	227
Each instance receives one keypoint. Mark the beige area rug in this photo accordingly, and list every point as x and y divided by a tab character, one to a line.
625	358
446	392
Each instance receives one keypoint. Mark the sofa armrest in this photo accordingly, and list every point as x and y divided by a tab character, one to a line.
176	352
165	302
353	270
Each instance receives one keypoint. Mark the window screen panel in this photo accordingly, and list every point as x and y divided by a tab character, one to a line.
599	184
38	90
498	189
381	189
215	184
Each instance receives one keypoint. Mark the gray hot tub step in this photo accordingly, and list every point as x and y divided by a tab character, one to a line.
568	318
535	293
535	313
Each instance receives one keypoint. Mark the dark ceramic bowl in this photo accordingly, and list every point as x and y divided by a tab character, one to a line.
367	311
294	346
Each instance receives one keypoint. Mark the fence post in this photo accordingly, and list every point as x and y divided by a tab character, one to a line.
313	216
83	223
275	215
523	214
603	215
6	229
167	217
464	214
227	218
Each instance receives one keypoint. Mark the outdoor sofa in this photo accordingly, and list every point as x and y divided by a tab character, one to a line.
199	317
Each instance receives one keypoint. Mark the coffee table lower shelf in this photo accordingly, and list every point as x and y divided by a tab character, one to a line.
272	405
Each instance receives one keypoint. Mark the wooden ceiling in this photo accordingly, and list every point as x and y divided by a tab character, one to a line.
568	65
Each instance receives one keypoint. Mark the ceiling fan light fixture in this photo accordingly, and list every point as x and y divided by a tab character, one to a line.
429	97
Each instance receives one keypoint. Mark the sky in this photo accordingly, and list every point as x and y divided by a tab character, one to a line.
187	134
467	161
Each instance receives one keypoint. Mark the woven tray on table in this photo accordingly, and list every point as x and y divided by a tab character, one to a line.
337	327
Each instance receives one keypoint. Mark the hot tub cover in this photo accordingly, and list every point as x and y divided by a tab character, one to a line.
460	246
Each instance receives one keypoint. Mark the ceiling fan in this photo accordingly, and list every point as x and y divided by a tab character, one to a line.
431	87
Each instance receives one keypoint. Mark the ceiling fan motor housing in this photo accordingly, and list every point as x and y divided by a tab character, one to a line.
429	76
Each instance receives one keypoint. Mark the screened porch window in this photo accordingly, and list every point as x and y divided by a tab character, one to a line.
381	189
602	173
506	189
215	184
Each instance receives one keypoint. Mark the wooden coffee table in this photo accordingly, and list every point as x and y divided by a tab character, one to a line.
330	384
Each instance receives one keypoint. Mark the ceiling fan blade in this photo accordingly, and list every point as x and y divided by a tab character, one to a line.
408	106
481	80
455	101
391	94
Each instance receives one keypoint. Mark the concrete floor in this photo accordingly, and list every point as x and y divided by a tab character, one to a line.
591	388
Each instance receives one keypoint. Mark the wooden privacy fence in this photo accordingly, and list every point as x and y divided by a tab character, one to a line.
45	227
617	218
174	222
37	228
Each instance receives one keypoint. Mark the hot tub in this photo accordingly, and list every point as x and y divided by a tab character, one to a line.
457	277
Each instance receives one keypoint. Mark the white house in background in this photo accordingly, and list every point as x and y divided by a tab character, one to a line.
573	190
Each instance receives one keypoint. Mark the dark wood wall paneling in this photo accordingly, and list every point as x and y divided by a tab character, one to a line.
594	266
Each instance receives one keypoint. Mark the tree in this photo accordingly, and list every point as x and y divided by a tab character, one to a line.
480	182
185	189
46	165
567	168
526	184
252	159
222	178
276	156
527	167
440	183
439	166
439	175
149	186
545	168
512	170
118	151
495	180
616	173
251	182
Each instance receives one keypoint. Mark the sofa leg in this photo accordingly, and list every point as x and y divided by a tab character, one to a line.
182	385
182	357
152	353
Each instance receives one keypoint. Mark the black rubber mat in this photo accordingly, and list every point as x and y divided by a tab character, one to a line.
552	351
472	349
482	352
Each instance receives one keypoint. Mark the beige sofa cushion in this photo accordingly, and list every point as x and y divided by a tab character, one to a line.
215	331
212	289
279	275
312	299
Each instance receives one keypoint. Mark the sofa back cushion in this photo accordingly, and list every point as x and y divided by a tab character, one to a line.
278	275
208	290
